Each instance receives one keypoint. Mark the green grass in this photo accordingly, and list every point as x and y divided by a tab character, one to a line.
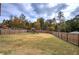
35	44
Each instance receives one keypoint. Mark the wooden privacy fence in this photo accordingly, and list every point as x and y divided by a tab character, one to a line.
69	37
12	31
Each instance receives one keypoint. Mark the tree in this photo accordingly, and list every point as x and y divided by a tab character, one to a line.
51	24
11	17
22	17
61	18
68	25
54	21
16	22
40	23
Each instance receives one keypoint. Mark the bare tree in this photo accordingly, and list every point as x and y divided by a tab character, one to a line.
61	17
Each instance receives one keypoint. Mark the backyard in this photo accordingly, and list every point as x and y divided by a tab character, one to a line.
35	44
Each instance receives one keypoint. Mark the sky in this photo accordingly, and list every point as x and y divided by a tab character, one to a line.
32	11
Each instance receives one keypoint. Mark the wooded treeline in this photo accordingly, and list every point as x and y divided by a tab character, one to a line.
41	24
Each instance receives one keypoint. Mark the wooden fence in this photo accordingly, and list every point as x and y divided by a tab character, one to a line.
12	31
69	37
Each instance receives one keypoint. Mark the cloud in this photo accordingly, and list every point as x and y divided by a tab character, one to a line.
20	7
75	12
8	9
44	8
32	11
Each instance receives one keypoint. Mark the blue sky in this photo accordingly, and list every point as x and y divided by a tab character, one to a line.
32	11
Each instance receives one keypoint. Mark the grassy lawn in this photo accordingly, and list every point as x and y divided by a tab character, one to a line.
35	44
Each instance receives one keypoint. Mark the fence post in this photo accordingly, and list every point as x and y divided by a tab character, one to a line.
0	31
61	35
78	39
58	33
67	37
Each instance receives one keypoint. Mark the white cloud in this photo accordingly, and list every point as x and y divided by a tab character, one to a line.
70	8
27	7
52	4
40	1
48	9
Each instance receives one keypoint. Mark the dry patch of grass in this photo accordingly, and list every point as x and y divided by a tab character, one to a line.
37	43
30	36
